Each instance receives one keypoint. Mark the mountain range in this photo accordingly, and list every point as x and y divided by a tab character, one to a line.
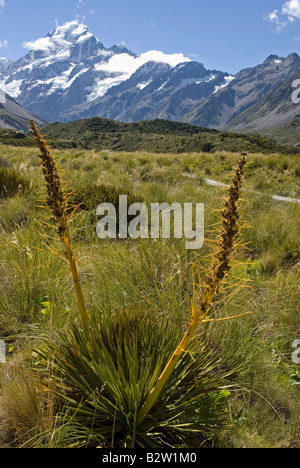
69	75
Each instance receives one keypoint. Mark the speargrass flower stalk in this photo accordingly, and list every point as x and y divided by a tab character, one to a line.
202	305
57	201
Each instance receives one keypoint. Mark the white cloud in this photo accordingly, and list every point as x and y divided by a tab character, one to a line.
124	63
120	67
290	12
291	9
3	44
275	17
2	3
61	39
40	44
81	3
46	44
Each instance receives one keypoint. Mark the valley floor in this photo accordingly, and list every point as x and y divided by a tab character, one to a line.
37	300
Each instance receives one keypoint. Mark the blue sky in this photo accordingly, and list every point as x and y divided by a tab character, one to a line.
227	35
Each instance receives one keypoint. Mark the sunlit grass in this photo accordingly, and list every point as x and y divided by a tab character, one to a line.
36	291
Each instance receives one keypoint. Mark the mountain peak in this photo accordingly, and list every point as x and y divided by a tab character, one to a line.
293	57
71	31
271	57
62	39
290	58
121	49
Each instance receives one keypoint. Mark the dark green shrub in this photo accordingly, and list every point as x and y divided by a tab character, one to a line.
207	147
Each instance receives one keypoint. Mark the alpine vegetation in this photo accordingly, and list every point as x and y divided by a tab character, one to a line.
102	375
131	377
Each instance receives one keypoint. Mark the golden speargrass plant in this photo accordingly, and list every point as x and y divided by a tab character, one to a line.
57	201
203	302
205	294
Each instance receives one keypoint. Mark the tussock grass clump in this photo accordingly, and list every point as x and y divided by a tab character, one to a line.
90	197
12	182
102	377
4	163
275	239
14	213
26	409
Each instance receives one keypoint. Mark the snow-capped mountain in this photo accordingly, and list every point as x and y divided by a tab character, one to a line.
228	107
58	72
155	90
69	74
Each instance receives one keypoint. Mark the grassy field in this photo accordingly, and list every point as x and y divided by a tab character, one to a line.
37	299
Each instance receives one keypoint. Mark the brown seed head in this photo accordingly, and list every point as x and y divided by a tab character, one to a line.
230	229
55	196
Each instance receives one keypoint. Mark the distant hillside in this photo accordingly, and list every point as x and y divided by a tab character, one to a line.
14	116
275	109
157	136
161	136
15	138
228	108
288	133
